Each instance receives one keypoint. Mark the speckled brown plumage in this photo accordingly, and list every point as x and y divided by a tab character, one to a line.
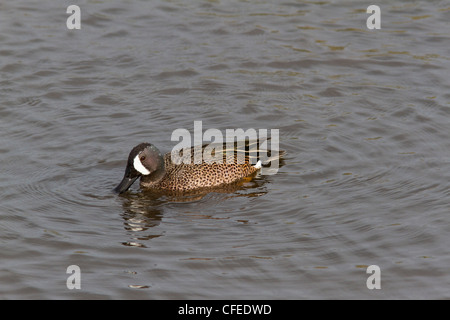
185	177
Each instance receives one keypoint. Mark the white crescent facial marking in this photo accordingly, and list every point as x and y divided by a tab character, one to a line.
139	167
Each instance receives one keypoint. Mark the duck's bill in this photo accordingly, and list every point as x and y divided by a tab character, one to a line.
125	184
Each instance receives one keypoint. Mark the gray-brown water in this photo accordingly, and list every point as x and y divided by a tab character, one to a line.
363	115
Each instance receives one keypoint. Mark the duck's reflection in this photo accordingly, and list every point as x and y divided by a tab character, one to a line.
143	210
141	213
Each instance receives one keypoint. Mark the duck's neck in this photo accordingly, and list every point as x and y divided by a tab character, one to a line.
155	176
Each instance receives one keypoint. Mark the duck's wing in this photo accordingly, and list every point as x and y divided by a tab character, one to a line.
255	152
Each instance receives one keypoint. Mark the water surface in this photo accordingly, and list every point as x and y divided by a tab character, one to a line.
363	115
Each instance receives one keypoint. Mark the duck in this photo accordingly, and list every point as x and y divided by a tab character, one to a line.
169	172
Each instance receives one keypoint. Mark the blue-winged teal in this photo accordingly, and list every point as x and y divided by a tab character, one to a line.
158	171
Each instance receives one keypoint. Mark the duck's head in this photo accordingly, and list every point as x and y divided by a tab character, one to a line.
144	159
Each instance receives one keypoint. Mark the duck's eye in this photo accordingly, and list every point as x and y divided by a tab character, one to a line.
142	158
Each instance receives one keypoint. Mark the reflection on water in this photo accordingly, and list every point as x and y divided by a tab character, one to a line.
140	215
143	210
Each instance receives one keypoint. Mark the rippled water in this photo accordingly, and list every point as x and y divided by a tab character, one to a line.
363	115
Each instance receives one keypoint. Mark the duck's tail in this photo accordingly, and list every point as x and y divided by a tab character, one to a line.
264	158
